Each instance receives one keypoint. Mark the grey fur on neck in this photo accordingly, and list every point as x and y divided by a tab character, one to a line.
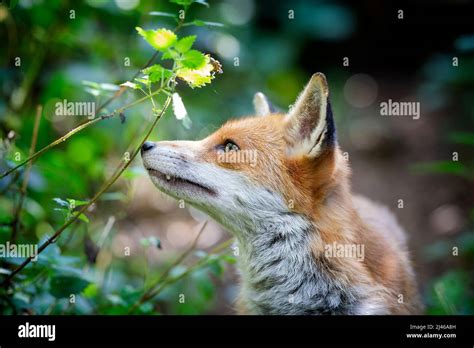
281	276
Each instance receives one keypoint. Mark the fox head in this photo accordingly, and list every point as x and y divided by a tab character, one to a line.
255	170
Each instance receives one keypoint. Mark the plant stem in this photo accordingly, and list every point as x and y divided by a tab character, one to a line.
104	188
24	186
166	272
78	129
151	293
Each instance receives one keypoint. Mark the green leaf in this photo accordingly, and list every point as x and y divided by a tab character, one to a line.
159	39
76	202
61	202
200	23
197	77
184	3
91	291
144	80
170	53
185	44
193	59
82	217
157	72
63	286
162	14
201	2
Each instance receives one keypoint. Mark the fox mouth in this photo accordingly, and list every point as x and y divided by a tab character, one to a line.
177	183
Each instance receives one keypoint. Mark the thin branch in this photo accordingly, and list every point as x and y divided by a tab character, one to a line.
166	272
104	188
123	88
152	293
26	177
78	129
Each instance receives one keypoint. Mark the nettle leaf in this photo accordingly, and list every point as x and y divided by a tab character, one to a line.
197	77
185	44
193	59
159	39
64	285
157	72
194	78
170	54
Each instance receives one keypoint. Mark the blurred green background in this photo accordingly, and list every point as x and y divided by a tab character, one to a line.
266	46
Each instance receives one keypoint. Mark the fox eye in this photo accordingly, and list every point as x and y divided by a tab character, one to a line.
229	145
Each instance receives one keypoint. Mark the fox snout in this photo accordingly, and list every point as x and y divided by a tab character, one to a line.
147	145
174	169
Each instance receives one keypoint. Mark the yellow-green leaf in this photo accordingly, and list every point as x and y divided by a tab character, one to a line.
197	77
159	39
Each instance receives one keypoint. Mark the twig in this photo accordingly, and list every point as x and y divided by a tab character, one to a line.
76	130
151	293
104	188
26	177
166	272
122	88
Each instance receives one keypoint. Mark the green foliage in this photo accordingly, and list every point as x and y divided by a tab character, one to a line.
65	285
190	65
70	275
451	294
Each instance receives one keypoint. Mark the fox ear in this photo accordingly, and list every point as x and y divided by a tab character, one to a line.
262	105
310	122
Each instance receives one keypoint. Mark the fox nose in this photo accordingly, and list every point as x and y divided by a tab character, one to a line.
147	145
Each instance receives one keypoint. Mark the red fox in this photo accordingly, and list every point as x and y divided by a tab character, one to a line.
280	184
